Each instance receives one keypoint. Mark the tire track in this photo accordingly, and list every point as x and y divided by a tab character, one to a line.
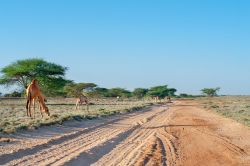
153	153
58	151
225	142
64	149
182	135
148	144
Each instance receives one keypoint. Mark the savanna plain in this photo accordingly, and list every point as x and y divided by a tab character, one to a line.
194	131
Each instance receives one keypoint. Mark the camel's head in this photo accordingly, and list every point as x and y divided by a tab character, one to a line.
46	110
34	81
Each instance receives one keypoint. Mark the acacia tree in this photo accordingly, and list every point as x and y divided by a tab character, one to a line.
77	89
99	92
50	75
161	91
114	92
140	92
171	91
210	91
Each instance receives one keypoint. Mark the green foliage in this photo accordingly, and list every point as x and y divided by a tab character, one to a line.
161	91
99	92
53	86
171	91
184	95
114	92
49	75
140	92
210	91
13	94
77	89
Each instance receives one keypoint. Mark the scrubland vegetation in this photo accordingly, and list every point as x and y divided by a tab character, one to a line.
53	84
13	112
235	107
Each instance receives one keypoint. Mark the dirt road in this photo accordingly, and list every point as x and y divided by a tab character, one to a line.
180	134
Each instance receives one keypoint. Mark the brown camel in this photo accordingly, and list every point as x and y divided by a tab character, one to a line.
34	94
80	100
168	98
156	98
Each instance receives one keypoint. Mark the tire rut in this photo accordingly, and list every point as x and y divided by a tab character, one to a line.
148	144
182	135
67	147
226	143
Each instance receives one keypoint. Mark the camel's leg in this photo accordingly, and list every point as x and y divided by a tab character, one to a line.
76	106
41	111
80	106
30	108
87	105
34	105
40	108
27	107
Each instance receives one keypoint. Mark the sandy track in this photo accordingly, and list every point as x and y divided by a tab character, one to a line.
182	134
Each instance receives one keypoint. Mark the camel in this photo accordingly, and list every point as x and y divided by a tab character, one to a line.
156	98
34	94
80	100
168	98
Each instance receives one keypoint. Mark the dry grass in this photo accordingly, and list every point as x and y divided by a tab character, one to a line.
13	112
235	107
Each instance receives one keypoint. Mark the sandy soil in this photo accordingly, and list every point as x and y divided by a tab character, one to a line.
180	134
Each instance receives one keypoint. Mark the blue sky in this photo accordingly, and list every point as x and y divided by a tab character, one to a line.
188	45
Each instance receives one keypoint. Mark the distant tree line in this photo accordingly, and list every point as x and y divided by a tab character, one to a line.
51	78
91	89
